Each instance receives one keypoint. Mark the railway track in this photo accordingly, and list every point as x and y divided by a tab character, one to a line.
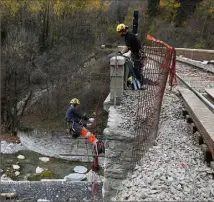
205	66
197	92
198	78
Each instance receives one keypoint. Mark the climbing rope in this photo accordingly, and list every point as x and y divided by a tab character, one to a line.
95	163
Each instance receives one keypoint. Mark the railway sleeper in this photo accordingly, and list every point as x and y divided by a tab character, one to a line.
212	165
187	116
194	128
199	138
184	112
207	154
189	119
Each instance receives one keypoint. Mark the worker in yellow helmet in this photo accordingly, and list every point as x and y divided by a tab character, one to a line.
134	45
76	127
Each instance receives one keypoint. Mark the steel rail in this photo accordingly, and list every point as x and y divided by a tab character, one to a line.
199	95
211	71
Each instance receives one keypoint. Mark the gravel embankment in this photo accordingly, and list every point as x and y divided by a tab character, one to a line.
174	169
127	109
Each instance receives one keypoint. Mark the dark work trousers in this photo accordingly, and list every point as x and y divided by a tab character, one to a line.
137	67
73	128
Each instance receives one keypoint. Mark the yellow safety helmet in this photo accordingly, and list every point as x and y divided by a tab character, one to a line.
121	28
130	79
75	101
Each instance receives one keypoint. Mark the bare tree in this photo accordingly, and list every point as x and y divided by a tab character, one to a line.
18	54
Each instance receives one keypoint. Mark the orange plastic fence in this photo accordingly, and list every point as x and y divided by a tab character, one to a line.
171	59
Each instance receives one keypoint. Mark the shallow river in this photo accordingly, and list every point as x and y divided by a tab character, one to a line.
28	165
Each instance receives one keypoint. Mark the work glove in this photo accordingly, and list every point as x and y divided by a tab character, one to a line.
88	125
91	120
85	118
94	114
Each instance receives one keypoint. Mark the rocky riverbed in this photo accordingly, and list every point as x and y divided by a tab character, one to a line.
10	147
35	145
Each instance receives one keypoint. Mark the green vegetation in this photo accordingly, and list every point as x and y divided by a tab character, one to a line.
54	169
45	174
182	23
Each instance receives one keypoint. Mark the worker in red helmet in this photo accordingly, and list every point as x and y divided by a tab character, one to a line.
76	127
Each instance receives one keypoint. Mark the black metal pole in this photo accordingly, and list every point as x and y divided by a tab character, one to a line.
135	22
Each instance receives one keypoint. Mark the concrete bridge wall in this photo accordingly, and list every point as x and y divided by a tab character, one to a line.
196	54
53	190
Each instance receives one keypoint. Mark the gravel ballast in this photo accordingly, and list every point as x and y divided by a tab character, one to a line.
127	110
197	78
174	169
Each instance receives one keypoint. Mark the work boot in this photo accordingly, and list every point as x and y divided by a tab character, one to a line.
75	135
68	131
143	88
99	147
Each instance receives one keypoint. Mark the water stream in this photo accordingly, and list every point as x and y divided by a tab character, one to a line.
28	166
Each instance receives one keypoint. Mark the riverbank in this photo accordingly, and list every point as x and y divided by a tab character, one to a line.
35	144
52	144
9	138
10	144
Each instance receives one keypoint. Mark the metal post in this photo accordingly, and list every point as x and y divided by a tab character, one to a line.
135	22
95	162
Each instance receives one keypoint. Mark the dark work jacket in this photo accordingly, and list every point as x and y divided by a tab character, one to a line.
73	114
132	42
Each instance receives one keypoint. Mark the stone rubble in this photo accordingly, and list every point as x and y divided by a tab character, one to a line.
21	157
10	148
44	159
75	177
173	169
4	177
16	167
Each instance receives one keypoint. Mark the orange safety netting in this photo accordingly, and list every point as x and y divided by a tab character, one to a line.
158	67
170	60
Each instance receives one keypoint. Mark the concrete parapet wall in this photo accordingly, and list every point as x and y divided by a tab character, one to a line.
196	54
117	77
53	190
117	156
